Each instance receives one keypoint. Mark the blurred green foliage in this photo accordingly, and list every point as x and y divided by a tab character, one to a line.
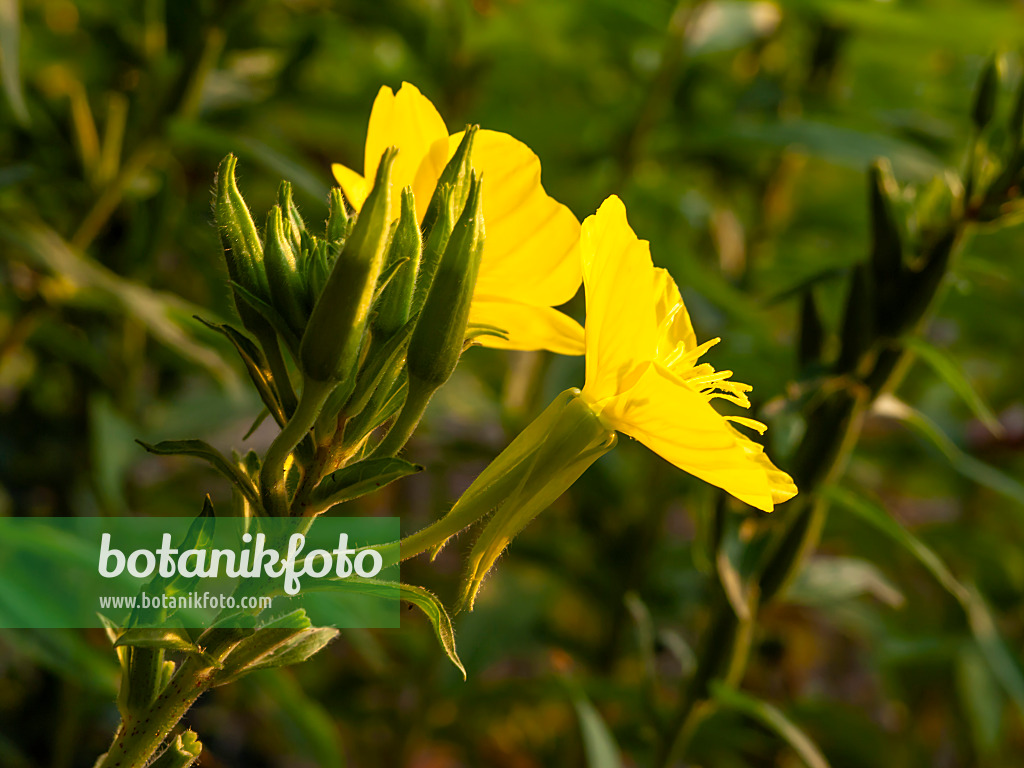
739	135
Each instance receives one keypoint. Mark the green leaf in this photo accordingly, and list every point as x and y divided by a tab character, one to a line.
771	717
270	647
208	453
950	372
299	648
182	752
166	316
968	466
598	742
358	479
982	699
826	580
1001	661
423	599
10	66
165	639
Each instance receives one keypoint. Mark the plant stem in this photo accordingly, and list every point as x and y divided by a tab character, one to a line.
140	735
416	401
273	479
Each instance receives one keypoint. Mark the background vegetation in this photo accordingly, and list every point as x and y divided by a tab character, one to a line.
739	135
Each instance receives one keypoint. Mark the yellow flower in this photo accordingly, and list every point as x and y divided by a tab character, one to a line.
642	375
531	258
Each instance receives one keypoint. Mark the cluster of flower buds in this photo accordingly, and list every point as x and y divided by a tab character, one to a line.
373	311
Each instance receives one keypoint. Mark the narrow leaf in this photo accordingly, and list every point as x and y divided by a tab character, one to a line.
10	66
598	742
359	479
423	599
257	367
208	453
950	372
1000	659
773	718
968	466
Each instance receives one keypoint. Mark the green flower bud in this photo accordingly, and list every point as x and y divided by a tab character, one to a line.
243	251
441	328
440	333
337	217
287	288
396	300
294	226
334	335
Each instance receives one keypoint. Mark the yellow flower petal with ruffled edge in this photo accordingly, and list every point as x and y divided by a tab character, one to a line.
680	425
531	258
535	327
642	372
409	121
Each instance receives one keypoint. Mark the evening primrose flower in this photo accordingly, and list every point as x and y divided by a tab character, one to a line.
530	261
643	379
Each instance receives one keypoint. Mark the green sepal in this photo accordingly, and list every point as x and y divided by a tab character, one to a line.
554	461
338	221
333	338
812	332
395	302
357	480
456	179
886	246
985	93
923	282
294	226
318	265
501	478
858	321
287	287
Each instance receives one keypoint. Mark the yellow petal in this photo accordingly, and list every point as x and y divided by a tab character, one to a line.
531	252
409	121
674	326
352	184
528	327
621	332
679	423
